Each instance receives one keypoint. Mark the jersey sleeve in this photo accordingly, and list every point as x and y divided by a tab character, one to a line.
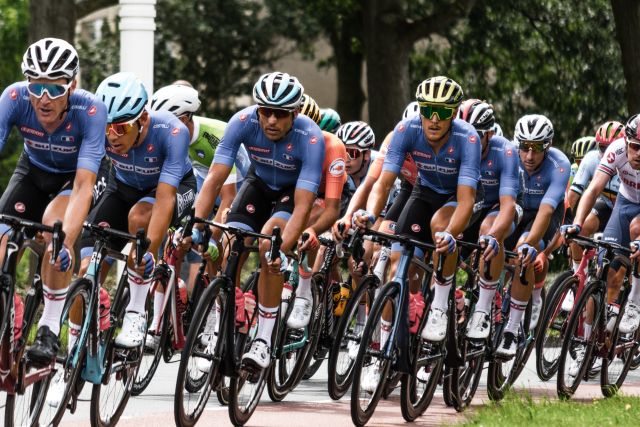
399	145
93	140
335	159
314	152
9	101
177	154
470	161
608	162
582	177
375	170
233	135
509	177
558	185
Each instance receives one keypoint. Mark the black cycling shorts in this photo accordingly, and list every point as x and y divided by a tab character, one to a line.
602	209
118	199
528	218
31	189
394	211
255	203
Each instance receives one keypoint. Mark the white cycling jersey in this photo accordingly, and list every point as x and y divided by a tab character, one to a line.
586	172
614	161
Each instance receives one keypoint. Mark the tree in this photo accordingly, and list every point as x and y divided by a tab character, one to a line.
627	18
534	56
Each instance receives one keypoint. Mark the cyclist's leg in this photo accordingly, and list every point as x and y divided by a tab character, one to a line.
631	317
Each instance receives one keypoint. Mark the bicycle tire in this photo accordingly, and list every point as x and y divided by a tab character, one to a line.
616	365
359	415
340	375
185	387
553	325
593	291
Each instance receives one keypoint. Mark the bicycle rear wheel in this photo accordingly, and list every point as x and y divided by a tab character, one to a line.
199	363
615	366
371	368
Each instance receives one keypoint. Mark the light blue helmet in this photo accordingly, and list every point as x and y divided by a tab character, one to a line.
278	90
124	95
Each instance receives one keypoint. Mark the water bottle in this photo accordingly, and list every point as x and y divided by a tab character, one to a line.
18	307
105	308
241	317
250	308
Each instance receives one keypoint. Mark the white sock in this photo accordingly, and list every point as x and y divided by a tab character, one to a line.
266	321
53	306
515	315
634	295
441	295
487	294
587	330
158	299
138	290
385	330
74	334
536	297
575	264
304	285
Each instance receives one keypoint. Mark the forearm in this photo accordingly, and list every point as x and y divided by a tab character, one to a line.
211	187
160	219
294	227
77	210
503	221
587	201
573	200
328	217
378	196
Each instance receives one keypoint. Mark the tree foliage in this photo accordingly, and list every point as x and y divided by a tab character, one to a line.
551	57
99	58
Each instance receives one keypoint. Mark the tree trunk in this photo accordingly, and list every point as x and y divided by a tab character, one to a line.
52	18
387	56
627	17
349	72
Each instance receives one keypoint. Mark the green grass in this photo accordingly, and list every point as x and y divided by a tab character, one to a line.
518	410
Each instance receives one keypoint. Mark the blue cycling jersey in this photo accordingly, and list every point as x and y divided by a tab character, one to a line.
499	171
295	159
78	143
548	183
163	155
456	163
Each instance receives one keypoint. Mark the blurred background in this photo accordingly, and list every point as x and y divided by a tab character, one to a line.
576	62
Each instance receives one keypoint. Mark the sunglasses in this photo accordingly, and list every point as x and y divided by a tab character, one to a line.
634	145
266	112
120	129
536	147
353	153
443	113
53	90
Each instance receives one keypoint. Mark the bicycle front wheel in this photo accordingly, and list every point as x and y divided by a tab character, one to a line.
615	366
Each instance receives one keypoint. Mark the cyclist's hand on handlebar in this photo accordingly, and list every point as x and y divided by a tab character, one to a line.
490	245
345	224
312	241
530	256
570	230
64	261
539	263
445	242
146	266
635	249
278	265
362	219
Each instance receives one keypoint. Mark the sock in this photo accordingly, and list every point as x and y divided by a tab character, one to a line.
515	315
158	299
536	297
487	293
587	330
575	264
304	284
74	334
266	321
138	290
53	306
634	295
442	293
385	330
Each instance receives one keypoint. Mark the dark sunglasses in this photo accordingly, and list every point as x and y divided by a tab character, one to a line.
53	90
266	112
536	147
443	113
633	144
353	153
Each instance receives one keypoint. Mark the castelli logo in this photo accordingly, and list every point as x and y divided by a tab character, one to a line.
104	224
450	150
149	148
92	110
289	147
19	207
509	153
243	117
175	131
473	139
251	209
401	127
415	228
490	163
313	140
14	94
68	127
285	199
561	170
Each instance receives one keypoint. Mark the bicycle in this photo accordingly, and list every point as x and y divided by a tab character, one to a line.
615	349
94	357
233	339
26	386
175	315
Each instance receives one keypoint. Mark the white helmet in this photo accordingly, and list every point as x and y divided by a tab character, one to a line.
278	90
412	110
357	135
497	129
534	127
50	58
176	99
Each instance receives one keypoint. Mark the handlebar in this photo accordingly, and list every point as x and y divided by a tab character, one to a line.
57	235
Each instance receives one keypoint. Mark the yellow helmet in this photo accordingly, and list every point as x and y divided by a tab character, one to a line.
309	107
440	90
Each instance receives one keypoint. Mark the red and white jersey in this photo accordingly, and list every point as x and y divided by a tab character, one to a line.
614	161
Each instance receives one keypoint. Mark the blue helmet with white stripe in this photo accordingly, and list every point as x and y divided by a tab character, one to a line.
278	90
124	95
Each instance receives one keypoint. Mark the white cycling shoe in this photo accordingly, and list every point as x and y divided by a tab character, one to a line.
134	327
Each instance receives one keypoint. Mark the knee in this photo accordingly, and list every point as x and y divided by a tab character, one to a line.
136	220
634	229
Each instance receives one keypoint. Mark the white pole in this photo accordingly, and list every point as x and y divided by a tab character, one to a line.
137	25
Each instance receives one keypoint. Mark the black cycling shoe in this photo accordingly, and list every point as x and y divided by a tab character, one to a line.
44	349
508	346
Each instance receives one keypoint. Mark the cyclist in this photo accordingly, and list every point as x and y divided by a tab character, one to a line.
579	149
286	152
329	120
544	174
622	157
359	140
446	152
151	186
63	136
499	212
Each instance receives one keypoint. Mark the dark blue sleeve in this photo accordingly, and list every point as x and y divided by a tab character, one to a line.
176	143
509	183
92	147
9	102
